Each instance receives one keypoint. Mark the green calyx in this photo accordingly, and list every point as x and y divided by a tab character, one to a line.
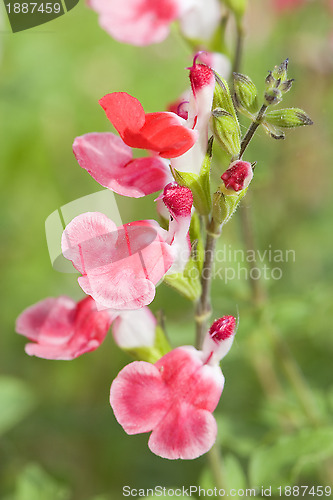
245	94
154	353
288	118
199	184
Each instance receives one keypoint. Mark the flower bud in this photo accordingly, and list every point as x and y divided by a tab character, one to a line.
219	339
245	93
237	177
226	131
273	96
178	200
288	118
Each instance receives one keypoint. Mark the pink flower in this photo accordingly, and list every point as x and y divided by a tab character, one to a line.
142	22
165	133
199	112
175	397
110	162
60	328
238	176
121	266
138	22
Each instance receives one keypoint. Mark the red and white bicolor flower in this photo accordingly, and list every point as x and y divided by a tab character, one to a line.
175	397
199	112
120	266
142	22
61	328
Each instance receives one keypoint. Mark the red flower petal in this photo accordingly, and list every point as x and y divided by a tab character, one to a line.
164	133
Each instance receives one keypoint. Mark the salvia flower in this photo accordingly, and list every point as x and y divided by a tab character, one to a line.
175	397
202	80
237	177
60	328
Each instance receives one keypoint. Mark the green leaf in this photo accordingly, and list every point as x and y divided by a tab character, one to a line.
16	402
35	484
245	94
282	462
288	118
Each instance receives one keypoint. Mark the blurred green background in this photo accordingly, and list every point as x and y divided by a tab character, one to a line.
58	436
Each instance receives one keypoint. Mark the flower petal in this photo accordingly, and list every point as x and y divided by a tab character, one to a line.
134	328
183	433
138	397
190	380
125	112
109	161
50	319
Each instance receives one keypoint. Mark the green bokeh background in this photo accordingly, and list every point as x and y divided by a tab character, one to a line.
60	438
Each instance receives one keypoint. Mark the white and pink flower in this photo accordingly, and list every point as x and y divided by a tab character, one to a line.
175	397
202	79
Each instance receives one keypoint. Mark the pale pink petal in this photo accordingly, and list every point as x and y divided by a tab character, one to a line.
139	397
122	285
121	268
134	328
139	22
109	161
183	433
93	231
49	319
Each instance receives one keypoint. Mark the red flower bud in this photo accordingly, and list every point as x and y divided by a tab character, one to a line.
238	176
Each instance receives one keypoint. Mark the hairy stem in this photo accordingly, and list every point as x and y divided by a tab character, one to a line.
203	309
251	130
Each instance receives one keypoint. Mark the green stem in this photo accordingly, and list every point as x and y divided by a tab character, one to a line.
203	308
239	50
215	461
251	130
